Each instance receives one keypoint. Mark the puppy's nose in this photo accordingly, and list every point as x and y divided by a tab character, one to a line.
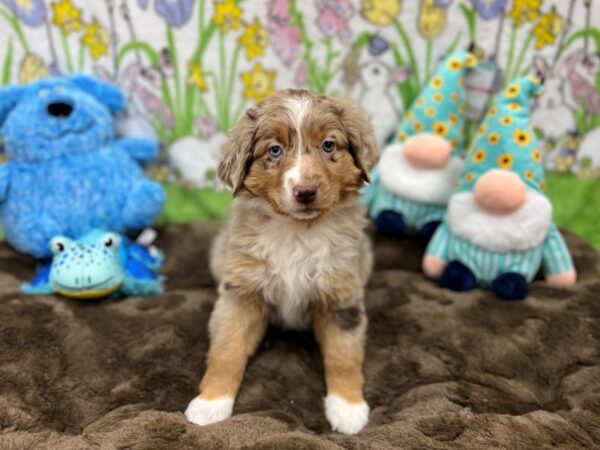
305	194
59	109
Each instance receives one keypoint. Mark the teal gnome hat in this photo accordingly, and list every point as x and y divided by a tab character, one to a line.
441	106
506	140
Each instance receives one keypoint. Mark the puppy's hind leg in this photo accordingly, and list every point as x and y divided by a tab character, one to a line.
236	327
341	335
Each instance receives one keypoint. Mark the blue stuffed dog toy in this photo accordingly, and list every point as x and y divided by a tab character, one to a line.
67	173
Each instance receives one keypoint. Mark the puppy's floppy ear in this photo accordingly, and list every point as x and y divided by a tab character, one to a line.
106	93
236	155
361	137
9	97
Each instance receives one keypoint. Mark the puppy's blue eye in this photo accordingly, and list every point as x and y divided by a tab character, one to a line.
276	151
328	146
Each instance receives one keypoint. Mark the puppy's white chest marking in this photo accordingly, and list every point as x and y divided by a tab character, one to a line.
296	262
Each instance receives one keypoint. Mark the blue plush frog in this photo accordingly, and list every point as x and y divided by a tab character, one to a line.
99	264
67	172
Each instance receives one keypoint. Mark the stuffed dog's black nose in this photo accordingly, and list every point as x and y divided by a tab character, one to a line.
59	109
305	194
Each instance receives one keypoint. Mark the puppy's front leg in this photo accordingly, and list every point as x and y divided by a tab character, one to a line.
340	331
236	327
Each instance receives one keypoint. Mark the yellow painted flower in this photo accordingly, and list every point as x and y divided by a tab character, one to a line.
471	60
492	111
512	91
32	68
254	39
258	82
536	155
547	29
440	128
430	111
525	11
227	15
409	115
529	175
438	97
469	176
432	19
462	108
482	129
453	118
453	143
514	106
542	185
454	64
420	101
506	120
403	136
454	97
505	161
380	12
437	82
196	77
493	138
521	137
96	38
66	16
417	125
479	156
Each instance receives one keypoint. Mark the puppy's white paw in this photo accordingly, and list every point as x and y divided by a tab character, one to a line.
205	412
344	417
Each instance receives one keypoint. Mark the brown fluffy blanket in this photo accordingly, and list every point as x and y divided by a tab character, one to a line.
443	370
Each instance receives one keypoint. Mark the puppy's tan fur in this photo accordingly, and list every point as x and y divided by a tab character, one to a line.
283	262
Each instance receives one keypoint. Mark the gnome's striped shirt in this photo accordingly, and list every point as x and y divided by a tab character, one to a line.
415	214
487	265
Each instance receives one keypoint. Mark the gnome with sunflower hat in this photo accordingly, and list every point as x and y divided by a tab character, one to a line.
418	172
498	229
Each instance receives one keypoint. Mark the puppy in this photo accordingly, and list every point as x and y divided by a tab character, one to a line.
294	252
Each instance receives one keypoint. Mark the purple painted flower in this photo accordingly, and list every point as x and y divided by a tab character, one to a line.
489	9
31	12
377	45
443	3
175	12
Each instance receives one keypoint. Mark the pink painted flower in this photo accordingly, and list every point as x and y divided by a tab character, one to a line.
301	74
333	17
279	10
206	125
286	41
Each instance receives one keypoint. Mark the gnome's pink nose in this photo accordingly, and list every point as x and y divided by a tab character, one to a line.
500	192
427	151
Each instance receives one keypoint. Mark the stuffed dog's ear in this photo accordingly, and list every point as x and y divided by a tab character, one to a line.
9	97
106	93
361	137
236	155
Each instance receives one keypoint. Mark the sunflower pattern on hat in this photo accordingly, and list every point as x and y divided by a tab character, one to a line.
506	140
440	108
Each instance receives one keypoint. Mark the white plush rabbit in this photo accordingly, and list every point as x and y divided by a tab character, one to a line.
552	116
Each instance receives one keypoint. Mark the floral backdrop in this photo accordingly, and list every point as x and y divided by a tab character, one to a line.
191	67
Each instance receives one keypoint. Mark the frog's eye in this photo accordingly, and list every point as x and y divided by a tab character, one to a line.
58	245
111	241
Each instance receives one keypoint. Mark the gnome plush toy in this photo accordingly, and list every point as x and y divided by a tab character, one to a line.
498	229
419	171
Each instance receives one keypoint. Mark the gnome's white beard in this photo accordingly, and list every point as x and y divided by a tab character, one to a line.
522	229
400	177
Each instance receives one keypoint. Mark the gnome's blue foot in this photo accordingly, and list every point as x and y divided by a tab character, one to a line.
457	277
510	286
427	230
390	223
